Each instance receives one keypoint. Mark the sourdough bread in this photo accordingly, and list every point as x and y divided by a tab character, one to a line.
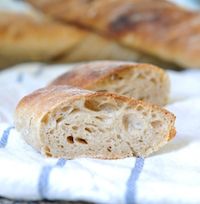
62	121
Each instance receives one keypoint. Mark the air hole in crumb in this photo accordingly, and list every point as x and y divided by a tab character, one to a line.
51	132
140	140
47	151
99	118
147	72
107	107
101	90
48	154
66	124
116	77
153	115
45	119
91	124
144	113
141	76
118	137
88	130
141	98
59	119
126	93
81	140
65	109
91	105
74	110
74	127
100	130
125	121
70	140
131	123
153	80
109	149
139	108
156	123
61	146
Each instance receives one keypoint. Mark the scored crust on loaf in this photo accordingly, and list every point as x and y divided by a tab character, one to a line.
34	37
61	121
161	29
140	81
25	37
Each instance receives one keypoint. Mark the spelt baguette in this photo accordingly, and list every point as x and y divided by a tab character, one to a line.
25	37
157	28
62	121
140	81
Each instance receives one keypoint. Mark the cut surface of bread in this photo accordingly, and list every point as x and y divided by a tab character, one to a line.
159	28
61	121
140	81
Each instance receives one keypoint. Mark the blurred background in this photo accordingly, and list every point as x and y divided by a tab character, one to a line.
30	34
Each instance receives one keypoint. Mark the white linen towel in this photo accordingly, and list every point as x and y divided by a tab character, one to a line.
172	175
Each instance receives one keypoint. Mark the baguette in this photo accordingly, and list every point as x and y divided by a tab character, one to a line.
160	28
62	121
25	37
141	81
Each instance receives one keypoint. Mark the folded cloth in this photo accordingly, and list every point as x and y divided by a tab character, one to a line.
172	175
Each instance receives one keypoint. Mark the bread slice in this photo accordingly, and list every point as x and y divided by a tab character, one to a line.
161	29
141	81
62	121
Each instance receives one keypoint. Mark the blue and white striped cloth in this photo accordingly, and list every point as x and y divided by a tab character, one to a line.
171	175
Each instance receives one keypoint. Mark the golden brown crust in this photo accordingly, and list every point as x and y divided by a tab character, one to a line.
88	74
26	37
43	100
135	23
172	134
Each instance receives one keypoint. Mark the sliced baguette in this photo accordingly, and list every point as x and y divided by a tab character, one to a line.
62	121
141	81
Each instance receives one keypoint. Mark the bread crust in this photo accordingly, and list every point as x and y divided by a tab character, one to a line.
34	37
88	74
138	24
44	101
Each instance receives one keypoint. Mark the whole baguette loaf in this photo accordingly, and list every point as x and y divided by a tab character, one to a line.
159	28
62	121
25	37
140	81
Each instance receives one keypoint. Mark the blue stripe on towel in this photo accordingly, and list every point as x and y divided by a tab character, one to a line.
20	77
39	71
44	177
131	183
4	138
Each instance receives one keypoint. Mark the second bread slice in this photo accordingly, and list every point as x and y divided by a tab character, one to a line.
140	81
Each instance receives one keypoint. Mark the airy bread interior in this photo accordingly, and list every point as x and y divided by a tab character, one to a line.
142	84
104	127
